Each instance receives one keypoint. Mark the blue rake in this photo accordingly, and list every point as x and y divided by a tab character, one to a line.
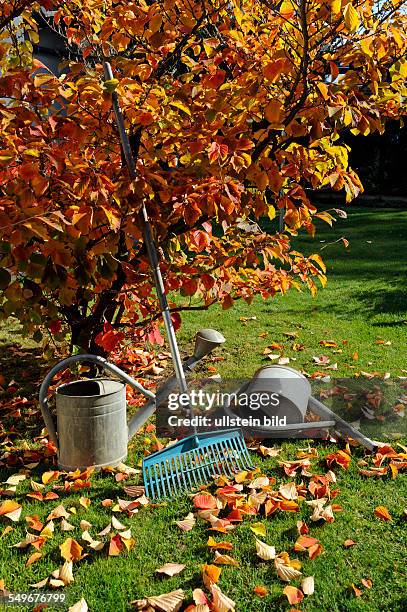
194	461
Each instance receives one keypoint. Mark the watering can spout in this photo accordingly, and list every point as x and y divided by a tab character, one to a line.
206	340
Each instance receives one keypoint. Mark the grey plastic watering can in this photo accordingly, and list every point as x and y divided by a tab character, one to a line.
91	414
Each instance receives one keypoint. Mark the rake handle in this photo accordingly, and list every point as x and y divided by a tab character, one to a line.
148	240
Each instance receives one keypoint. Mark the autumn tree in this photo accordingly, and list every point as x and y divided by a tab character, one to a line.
236	110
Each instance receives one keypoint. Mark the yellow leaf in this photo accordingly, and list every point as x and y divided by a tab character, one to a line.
336	6
11	509
351	17
84	501
323	89
259	529
32	152
41	79
319	261
365	46
271	213
48	477
287	9
181	106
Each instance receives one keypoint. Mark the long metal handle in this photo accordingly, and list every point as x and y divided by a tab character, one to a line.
323	411
43	399
148	240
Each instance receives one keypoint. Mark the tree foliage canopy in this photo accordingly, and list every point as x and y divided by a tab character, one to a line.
235	110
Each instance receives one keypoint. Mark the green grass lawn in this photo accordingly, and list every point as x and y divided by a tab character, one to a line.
364	301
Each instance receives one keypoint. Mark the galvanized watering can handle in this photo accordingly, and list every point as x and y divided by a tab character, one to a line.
49	422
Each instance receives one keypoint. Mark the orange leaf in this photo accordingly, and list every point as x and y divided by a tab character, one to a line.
382	513
304	542
115	546
71	550
11	510
210	575
219	545
8	506
261	591
293	594
48	477
33	558
315	550
356	590
205	501
348	543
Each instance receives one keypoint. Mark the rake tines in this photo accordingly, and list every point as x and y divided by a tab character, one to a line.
194	461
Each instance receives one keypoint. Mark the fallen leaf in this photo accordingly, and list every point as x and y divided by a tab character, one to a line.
6	531
71	550
106	530
322	360
40	584
168	602
259	529
133	491
171	569
265	551
66	573
289	491
85	502
115	546
304	542
340	457
225	559
56	583
85	525
261	591
199	597
15	479
348	543
11	510
367	583
356	590
205	501
293	594
33	558
221	603
307	585
382	513
65	526
116	524
210	575
219	545
187	523
48	477
58	512
286	572
80	606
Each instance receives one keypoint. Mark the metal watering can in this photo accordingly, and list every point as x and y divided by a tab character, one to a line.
91	418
